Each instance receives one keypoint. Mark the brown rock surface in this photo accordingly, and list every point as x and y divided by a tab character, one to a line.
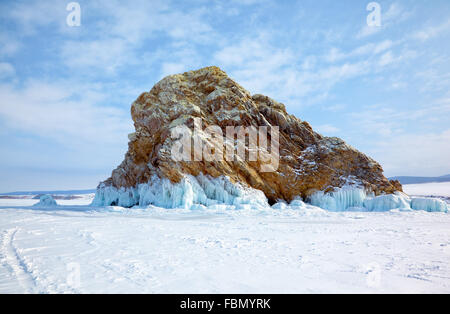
308	161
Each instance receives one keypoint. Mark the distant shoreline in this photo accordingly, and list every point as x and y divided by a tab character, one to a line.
419	180
37	196
34	193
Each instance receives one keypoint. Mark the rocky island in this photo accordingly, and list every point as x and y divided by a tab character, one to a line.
309	165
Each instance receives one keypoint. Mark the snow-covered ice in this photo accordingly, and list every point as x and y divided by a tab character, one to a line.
428	189
283	249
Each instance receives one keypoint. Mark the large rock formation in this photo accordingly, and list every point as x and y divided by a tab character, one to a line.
308	161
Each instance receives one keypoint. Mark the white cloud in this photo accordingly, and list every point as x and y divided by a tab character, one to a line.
172	68
114	39
144	19
335	54
394	15
386	59
434	79
406	141
389	58
280	73
6	70
432	31
8	45
179	59
374	48
31	15
259	66
327	129
118	39
106	55
249	2
386	120
368	31
286	75
415	154
62	112
334	108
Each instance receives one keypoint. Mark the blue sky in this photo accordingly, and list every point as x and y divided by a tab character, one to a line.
65	92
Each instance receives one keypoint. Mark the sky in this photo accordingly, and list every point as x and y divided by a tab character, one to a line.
66	91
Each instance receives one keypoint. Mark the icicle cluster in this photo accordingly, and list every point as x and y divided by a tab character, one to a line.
347	198
219	193
189	194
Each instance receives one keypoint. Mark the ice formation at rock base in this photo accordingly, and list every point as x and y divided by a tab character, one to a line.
429	204
339	199
203	192
191	193
356	198
46	201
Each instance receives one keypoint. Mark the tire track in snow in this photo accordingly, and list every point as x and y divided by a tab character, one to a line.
16	264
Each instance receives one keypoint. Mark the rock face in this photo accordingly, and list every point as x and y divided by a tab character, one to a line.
308	162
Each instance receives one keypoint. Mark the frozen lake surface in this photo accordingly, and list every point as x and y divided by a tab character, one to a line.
80	249
428	189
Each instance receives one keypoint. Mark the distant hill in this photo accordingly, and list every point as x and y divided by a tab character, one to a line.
417	180
71	192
